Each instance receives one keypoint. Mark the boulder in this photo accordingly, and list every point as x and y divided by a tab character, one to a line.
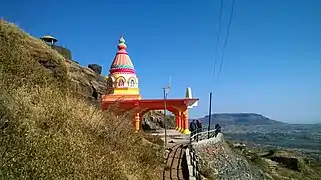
96	68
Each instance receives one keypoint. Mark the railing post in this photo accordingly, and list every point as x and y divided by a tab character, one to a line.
195	160
194	168
196	134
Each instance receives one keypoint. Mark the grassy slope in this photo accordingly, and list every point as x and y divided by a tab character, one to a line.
47	133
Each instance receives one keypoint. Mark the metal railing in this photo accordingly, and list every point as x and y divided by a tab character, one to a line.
195	136
201	134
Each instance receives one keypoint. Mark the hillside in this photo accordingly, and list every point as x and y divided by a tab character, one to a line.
240	119
49	129
264	132
279	164
218	161
225	159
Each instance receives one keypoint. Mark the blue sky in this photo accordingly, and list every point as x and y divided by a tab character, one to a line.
272	64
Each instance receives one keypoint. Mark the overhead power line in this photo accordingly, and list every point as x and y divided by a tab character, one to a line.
217	38
226	38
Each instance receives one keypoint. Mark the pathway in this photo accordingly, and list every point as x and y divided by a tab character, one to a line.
174	154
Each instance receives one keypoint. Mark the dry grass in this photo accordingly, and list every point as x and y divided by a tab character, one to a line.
21	56
48	133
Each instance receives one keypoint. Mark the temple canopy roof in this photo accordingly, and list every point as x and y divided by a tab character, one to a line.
122	62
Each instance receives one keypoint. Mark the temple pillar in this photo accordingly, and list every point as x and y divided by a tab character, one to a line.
137	122
179	122
185	122
178	119
182	124
140	121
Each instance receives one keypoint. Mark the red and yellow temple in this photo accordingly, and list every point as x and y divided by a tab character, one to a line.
123	88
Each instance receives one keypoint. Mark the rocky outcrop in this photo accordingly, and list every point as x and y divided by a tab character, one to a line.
217	160
286	159
85	81
278	163
154	120
96	68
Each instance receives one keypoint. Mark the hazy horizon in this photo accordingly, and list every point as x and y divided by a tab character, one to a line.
302	122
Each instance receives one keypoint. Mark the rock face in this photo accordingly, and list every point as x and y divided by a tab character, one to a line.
96	68
86	82
154	120
217	160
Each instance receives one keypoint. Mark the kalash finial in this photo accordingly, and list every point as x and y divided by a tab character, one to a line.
122	45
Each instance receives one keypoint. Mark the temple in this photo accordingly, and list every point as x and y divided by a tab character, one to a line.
122	79
123	89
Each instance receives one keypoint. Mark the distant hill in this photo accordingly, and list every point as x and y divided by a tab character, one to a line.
240	119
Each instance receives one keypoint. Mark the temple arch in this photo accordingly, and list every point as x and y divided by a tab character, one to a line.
131	82
120	82
172	111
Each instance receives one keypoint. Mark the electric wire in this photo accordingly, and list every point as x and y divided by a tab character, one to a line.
220	19
226	39
224	46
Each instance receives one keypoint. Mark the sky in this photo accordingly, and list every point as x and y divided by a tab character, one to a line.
271	64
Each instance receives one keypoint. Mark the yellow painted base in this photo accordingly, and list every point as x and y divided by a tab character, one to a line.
124	91
186	131
176	128
181	130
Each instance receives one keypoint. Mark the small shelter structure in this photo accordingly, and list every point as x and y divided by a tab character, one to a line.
49	39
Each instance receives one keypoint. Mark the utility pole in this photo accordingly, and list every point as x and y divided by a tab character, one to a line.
165	97
165	91
209	116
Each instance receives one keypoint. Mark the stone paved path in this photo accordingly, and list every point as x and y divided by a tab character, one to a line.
173	169
174	153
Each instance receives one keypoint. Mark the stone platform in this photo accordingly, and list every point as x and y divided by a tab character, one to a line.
173	137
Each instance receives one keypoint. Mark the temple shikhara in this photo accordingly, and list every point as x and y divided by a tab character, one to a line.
123	88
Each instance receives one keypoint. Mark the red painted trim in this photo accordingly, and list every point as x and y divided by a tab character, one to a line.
122	52
153	101
122	70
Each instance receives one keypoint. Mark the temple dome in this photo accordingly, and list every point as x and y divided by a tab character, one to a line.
122	62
